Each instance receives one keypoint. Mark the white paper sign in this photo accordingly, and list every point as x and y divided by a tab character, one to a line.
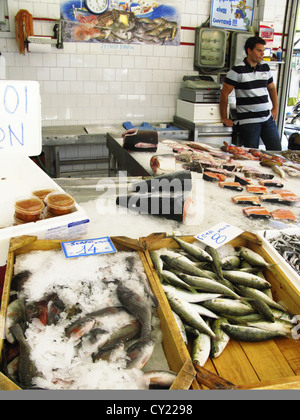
234	15
20	117
87	247
219	235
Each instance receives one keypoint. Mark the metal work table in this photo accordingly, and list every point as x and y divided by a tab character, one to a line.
137	163
55	137
211	133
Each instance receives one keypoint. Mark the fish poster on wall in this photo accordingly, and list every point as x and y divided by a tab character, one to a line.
236	15
121	22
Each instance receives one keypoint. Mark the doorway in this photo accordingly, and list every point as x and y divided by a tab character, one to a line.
290	87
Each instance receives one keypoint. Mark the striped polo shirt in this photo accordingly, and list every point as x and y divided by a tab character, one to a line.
253	104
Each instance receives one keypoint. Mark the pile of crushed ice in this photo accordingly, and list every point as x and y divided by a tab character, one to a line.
88	283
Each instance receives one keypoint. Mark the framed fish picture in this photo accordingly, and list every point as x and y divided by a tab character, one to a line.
121	21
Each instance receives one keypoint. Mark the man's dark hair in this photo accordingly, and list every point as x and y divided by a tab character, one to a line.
252	41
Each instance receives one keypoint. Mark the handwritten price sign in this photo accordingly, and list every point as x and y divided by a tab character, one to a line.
219	235
84	248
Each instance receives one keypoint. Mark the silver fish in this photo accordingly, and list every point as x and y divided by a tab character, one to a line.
280	327
263	309
184	265
216	260
189	296
189	315
204	311
246	279
201	347
181	328
157	263
251	334
252	257
175	281
193	250
223	306
208	285
219	345
258	294
230	262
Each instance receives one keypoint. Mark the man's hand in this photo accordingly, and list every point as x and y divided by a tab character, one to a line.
227	122
274	113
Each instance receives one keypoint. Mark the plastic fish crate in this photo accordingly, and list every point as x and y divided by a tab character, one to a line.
274	364
176	353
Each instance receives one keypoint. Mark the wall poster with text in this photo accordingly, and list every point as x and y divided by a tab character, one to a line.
121	22
236	15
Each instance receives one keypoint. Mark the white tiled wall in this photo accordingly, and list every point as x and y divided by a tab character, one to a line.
92	83
105	84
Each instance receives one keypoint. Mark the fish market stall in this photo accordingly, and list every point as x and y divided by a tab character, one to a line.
96	327
250	348
155	306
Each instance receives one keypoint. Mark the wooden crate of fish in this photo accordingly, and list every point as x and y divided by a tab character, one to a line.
236	310
86	323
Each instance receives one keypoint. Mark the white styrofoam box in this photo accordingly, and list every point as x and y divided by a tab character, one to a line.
198	113
20	117
288	270
19	177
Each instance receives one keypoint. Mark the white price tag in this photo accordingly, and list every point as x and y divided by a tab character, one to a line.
86	247
219	235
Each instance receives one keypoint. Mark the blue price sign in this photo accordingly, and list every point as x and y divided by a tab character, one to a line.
87	247
219	235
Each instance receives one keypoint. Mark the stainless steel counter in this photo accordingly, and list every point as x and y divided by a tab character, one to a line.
84	147
89	143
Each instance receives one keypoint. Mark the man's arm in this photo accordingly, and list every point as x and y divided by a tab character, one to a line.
274	98
225	92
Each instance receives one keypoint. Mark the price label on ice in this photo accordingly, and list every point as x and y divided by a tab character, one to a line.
219	235
84	248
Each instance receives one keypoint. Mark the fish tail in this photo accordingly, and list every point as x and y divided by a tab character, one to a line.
16	330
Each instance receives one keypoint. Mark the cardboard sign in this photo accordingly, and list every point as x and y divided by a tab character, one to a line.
20	117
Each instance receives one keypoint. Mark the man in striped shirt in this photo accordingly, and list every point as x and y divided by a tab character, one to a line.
256	98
